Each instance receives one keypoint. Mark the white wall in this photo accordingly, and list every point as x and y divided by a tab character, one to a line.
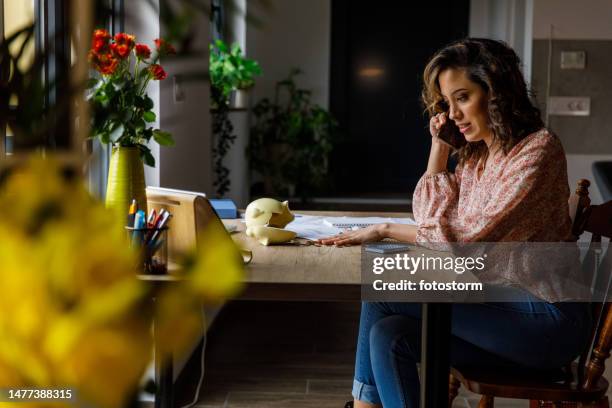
188	164
295	33
584	19
138	17
506	20
235	160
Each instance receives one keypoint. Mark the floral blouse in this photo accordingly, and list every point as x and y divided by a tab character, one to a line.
520	196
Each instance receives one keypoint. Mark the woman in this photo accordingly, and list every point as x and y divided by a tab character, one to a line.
510	185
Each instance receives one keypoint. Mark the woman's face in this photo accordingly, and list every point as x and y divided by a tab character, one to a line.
467	103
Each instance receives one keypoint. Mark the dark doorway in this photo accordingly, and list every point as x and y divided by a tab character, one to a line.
378	53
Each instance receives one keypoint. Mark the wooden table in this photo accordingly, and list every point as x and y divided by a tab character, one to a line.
301	272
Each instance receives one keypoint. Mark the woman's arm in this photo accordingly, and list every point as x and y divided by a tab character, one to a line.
400	232
438	157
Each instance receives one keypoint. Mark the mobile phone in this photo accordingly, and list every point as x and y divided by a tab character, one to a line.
386	247
450	134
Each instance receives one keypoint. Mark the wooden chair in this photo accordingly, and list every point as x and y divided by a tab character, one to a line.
583	385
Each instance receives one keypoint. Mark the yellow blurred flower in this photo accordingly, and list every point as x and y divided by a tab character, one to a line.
70	304
216	267
72	312
213	272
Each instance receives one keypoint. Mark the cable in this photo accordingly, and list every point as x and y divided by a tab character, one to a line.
548	76
196	397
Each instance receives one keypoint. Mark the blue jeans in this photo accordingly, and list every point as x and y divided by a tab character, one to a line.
532	334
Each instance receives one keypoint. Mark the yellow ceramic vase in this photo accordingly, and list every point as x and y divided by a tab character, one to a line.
125	181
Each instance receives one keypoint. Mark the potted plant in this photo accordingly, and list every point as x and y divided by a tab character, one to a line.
291	141
122	111
230	75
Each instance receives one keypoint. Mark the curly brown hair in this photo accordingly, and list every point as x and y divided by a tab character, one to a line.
496	68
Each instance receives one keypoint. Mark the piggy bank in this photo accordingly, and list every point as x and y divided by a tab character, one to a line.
267	212
270	235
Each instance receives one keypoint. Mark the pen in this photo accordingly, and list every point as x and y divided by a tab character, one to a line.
139	223
132	212
165	220
153	249
158	229
151	218
154	224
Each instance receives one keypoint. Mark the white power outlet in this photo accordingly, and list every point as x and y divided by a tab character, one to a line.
569	105
573	60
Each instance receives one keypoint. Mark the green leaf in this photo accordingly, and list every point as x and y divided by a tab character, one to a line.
149	116
148	103
109	89
139	124
148	133
125	115
118	85
163	138
116	134
221	46
104	138
146	155
236	49
139	102
229	67
129	98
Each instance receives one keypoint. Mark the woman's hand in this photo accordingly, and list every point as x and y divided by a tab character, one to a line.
360	236
438	155
435	124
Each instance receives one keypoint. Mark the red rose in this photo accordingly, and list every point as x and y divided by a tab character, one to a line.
124	43
98	45
164	48
125	39
157	72
106	64
120	50
101	34
100	40
109	67
143	51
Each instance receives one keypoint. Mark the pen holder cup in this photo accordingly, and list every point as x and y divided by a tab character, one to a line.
152	245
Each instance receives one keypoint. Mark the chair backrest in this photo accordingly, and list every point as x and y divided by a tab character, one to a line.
578	202
596	219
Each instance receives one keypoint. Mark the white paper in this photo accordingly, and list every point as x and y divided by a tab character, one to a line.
316	227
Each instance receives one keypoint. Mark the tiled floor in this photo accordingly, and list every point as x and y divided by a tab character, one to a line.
281	355
285	355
